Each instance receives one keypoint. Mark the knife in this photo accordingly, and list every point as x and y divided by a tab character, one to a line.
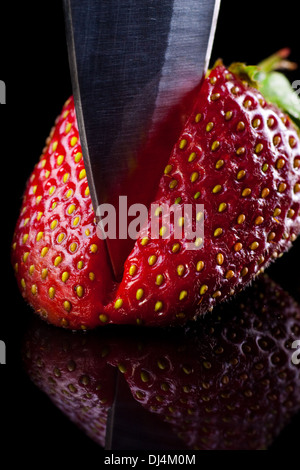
134	66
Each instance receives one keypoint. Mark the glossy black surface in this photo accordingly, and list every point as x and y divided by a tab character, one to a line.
35	69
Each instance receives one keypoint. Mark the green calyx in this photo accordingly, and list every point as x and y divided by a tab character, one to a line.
273	85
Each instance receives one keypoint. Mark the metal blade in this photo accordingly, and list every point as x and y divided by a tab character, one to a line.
133	66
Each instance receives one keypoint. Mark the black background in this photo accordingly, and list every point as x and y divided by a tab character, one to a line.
34	66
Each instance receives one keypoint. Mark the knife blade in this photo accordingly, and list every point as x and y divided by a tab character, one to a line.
134	66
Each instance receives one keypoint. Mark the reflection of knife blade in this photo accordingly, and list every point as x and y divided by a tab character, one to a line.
132	62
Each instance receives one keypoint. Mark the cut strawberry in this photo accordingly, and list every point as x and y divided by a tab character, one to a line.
237	155
226	382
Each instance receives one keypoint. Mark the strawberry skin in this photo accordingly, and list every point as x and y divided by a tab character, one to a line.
237	155
225	382
240	157
60	263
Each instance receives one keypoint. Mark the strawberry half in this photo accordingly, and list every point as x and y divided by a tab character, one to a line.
237	155
226	382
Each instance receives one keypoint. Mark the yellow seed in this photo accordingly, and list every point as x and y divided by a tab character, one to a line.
222	207
192	157
217	189
292	141
82	174
276	140
229	274
247	103
132	269
54	146
144	376
158	306
31	269
122	368
162	231
79	291
265	193
51	190
25	256
54	204
199	266
34	188
44	273
53	224
60	159
256	123
238	246
244	272
152	260
73	246
14	245
60	237
271	236
57	260
218	232
241	218
290	213
280	163
65	276
78	157
76	221
213	80
197	195
71	208
87	191
240	174
25	238
64	322
175	247
265	167
180	269
47	174
118	304
68	127
254	245
240	126
182	144
198	117
219	164
44	251
173	184
215	145
209	126
228	115
220	259
216	294
177	200
281	187
43	163
87	232
73	141
199	216
215	96
92	276
297	188
270	122
34	289
23	283
80	265
246	192
103	318
168	169
297	162
203	289
94	248
235	90
240	151
194	176
26	221
139	294
144	241
38	199
159	279
259	220
183	294
51	292
67	305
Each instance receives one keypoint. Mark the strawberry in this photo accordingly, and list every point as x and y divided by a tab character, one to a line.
226	382
237	154
60	263
73	371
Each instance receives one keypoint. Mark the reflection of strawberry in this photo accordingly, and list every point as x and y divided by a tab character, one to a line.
73	371
227	382
237	155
